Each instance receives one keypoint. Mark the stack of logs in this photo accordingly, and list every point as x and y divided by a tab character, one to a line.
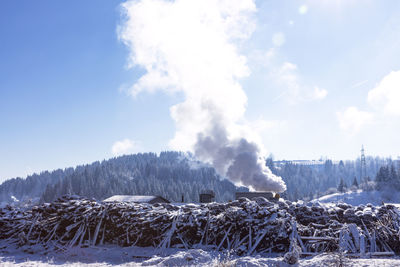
242	227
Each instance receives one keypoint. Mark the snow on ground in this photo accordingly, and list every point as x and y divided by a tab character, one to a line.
358	197
128	198
103	256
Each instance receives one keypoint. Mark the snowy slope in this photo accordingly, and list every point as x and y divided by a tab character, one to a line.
360	197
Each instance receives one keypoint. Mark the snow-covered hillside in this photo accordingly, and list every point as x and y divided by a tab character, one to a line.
168	174
359	197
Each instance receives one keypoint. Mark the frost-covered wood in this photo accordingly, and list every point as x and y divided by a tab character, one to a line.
242	226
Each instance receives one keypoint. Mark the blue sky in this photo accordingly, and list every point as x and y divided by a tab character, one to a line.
323	78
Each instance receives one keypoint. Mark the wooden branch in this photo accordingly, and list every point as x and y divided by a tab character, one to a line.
222	241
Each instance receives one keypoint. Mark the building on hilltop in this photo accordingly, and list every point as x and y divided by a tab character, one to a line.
300	162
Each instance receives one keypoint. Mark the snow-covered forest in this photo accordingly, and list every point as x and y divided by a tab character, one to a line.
312	181
171	174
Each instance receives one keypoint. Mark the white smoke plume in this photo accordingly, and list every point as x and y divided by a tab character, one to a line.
192	47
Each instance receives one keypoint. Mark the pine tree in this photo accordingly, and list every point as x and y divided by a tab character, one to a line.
355	183
382	178
342	186
269	162
393	174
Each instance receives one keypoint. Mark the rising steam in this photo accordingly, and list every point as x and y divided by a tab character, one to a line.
191	46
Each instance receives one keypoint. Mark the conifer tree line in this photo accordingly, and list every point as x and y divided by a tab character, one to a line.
307	182
388	178
170	175
173	174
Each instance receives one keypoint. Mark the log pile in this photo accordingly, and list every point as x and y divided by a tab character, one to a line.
243	227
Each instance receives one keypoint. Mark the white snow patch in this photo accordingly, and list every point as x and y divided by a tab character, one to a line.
128	198
356	198
104	256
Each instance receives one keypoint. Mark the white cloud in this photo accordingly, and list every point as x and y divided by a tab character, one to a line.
262	58
294	90
278	39
352	120
124	147
287	74
385	97
303	9
261	125
319	93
